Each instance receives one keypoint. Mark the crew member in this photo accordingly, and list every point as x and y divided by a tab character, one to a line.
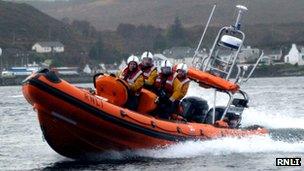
133	76
181	75
148	69
168	89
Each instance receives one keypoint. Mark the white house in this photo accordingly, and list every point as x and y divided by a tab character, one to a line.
87	69
295	56
47	47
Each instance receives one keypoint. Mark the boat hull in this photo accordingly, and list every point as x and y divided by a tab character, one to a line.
76	123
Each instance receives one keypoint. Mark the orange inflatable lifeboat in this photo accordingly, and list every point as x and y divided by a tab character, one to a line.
77	121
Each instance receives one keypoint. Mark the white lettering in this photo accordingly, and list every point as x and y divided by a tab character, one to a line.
280	162
288	161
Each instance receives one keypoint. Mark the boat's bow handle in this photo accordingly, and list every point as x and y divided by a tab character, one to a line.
95	76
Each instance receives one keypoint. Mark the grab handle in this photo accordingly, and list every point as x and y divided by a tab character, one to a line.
95	76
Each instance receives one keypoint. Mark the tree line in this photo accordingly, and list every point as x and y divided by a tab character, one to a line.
113	46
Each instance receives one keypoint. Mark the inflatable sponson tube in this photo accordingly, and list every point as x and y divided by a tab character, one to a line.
212	80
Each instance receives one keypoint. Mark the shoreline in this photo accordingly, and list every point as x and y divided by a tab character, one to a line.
261	72
89	79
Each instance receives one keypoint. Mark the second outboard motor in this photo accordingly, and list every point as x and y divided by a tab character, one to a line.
233	117
194	109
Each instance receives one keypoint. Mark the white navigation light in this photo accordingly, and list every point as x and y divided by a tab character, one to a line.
230	42
241	7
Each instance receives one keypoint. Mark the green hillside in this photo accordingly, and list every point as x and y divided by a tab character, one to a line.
21	25
108	14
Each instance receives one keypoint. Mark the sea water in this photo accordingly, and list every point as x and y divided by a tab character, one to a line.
275	103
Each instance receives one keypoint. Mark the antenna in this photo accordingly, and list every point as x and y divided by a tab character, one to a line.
242	9
203	35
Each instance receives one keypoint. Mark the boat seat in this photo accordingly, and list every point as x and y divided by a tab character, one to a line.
147	102
116	91
112	88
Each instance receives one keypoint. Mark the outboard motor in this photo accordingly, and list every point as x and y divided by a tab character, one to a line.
194	109
234	113
232	118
